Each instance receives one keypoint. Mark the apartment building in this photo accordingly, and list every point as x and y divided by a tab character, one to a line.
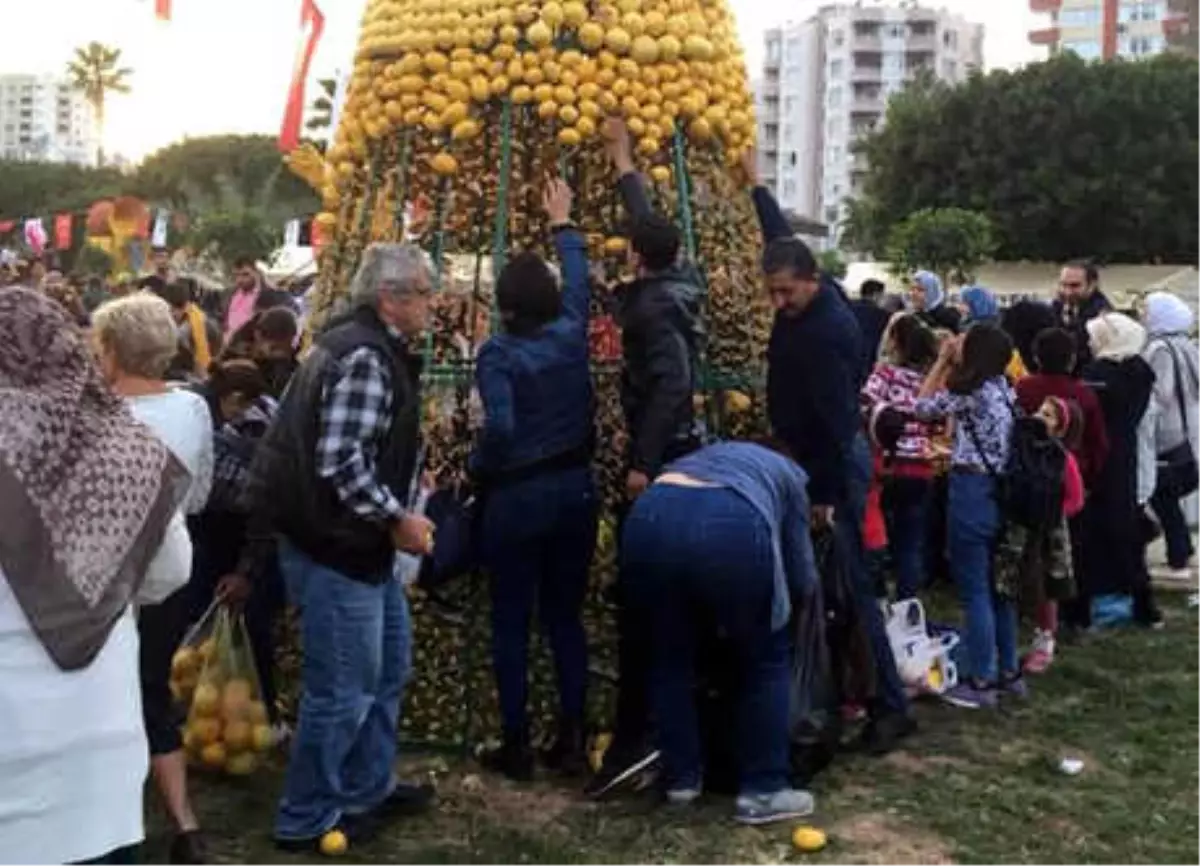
1103	29
42	118
826	82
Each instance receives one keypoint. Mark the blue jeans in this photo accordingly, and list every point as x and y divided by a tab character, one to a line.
906	503
1176	534
357	642
991	622
695	561
538	539
848	518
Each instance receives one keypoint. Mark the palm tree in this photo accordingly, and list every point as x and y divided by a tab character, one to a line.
95	71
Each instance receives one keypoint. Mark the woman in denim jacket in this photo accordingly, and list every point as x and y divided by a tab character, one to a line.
534	463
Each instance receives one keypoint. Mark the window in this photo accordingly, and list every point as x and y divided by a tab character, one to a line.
949	69
789	188
893	63
839	38
834	99
1088	49
1146	10
895	31
835	68
835	126
1141	46
950	39
835	153
789	105
792	158
1081	16
773	51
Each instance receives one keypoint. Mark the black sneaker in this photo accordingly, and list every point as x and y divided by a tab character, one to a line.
407	800
621	766
512	759
568	754
187	847
883	734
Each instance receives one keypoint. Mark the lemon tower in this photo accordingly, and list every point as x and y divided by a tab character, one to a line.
456	114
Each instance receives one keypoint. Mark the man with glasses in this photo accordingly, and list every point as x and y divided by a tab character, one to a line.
1079	301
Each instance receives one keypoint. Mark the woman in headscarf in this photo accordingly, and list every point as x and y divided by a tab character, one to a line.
1171	353
928	301
978	304
86	496
1113	551
136	340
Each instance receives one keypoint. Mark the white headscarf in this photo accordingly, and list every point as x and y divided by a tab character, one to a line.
1115	336
1167	314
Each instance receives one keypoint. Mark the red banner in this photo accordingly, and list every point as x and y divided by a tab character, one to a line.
318	237
162	10
7	226
62	231
312	25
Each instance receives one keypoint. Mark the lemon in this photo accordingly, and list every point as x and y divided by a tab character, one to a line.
553	14
591	36
574	12
808	839
661	174
548	109
334	843
464	130
568	114
618	40
568	137
539	34
444	164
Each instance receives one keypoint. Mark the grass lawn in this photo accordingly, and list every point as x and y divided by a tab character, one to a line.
972	787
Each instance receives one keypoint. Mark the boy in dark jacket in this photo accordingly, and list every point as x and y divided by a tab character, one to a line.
814	377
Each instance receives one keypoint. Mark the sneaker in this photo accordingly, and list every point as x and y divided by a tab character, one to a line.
621	765
755	809
971	696
1041	656
407	799
511	759
187	847
1014	686
568	754
683	796
883	733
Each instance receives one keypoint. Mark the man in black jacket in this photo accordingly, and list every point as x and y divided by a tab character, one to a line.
661	340
1079	301
872	321
331	477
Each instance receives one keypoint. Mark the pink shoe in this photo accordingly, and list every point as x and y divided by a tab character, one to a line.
1041	656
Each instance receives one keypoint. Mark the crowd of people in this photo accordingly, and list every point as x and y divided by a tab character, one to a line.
155	457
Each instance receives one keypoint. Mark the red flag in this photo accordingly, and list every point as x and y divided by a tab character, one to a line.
318	237
62	231
312	24
162	10
7	226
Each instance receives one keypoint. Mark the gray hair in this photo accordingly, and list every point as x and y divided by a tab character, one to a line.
396	266
140	332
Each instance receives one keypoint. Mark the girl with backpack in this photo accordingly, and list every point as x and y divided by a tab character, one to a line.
967	384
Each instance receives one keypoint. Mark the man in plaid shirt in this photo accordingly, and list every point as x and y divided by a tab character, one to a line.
330	477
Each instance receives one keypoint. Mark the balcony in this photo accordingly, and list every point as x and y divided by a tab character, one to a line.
1041	6
866	72
1044	36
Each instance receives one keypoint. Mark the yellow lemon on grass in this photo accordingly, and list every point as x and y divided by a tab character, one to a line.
334	843
808	839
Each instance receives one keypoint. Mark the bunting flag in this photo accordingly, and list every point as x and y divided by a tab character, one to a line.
162	10
158	237
62	231
35	235
312	24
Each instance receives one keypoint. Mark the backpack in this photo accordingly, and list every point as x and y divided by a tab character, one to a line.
1030	486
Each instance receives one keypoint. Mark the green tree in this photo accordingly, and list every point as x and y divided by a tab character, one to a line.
952	243
228	224
45	188
95	71
832	263
1066	158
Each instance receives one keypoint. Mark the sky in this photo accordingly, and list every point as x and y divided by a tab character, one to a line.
223	66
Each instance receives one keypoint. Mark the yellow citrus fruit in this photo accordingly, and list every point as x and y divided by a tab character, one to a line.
208	646
241	765
618	40
263	738
548	109
206	701
591	36
206	730
213	755
569	137
235	702
574	12
612	246
661	173
586	127
238	736
185	661
522	94
539	33
568	114
258	710
644	49
444	164
808	839
648	146
334	843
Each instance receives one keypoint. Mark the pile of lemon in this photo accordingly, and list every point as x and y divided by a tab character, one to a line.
227	726
434	66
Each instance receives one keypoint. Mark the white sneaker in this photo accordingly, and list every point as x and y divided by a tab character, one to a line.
768	808
683	796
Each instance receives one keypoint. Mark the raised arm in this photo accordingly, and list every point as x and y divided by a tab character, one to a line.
629	182
771	221
572	255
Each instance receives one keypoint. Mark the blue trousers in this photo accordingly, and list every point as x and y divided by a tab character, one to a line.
848	518
538	540
906	504
357	641
990	633
695	560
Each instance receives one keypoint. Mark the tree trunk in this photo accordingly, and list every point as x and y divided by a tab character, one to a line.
98	107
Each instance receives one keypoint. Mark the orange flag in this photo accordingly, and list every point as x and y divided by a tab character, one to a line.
312	24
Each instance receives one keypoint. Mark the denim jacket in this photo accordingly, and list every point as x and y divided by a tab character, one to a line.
537	389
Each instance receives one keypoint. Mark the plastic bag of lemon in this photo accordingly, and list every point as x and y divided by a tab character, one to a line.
227	724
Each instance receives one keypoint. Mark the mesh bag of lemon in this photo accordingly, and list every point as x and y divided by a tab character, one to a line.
227	726
456	113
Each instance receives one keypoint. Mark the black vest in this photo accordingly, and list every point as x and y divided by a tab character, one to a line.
304	507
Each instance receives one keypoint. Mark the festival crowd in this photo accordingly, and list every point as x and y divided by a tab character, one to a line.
161	450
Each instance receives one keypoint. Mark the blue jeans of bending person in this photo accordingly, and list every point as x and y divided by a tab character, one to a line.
538	539
696	560
890	696
906	504
990	632
357	642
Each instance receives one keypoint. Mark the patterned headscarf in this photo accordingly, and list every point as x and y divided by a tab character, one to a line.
85	490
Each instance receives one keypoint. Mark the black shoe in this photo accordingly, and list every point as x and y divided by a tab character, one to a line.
511	759
883	734
187	847
568	755
621	765
406	800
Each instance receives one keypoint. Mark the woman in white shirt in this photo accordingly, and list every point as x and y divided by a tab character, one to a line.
136	340
86	494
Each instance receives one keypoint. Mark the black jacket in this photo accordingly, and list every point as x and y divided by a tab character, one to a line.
662	338
872	322
284	485
944	317
1075	319
813	380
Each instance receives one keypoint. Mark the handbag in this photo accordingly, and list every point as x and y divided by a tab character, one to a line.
1178	473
